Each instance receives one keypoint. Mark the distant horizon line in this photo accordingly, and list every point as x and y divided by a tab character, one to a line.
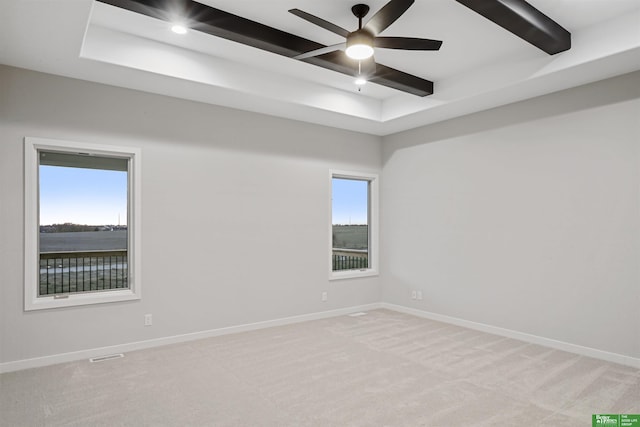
120	225
83	225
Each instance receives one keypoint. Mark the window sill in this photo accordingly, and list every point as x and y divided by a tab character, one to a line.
43	303
352	274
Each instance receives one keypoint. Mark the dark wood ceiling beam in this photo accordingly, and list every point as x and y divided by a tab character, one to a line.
525	21
235	28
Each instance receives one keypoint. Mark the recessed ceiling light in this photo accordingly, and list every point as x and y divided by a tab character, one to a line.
179	29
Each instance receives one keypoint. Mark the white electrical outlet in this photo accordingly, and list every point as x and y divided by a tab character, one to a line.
324	296
413	295
419	295
148	320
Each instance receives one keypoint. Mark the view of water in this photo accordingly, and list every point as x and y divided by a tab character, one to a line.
83	241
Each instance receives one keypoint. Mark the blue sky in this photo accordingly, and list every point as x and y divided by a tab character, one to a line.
350	200
82	196
97	197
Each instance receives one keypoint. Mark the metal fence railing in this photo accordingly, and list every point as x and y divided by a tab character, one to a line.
73	272
349	259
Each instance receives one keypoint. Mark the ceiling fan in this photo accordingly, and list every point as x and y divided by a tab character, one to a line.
516	16
360	44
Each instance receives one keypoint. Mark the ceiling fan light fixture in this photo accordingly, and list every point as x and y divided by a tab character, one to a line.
179	29
360	81
359	51
359	45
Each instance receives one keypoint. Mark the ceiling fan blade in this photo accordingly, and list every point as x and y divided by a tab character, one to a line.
321	51
407	43
320	22
387	15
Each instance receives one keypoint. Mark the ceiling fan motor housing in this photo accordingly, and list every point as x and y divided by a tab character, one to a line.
360	37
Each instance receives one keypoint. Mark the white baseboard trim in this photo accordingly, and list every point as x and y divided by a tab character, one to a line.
157	342
547	342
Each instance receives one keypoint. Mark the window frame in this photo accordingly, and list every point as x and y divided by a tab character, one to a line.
32	301
373	224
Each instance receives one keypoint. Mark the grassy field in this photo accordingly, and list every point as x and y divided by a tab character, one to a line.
83	241
350	236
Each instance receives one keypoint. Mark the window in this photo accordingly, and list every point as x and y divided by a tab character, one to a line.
81	223
354	224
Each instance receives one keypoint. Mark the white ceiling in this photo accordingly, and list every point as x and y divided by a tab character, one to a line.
479	66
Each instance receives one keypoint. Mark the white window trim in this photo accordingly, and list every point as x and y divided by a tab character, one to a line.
31	225
373	225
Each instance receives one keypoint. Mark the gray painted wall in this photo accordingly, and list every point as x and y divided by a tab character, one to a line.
525	217
235	213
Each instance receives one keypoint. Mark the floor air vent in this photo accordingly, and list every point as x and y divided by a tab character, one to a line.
107	357
362	313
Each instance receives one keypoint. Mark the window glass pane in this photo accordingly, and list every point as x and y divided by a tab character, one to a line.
83	223
350	224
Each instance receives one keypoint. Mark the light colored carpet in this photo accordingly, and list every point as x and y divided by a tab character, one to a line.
382	369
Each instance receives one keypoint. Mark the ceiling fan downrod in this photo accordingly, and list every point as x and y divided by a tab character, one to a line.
360	11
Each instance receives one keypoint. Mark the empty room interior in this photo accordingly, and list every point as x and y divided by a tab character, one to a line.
300	213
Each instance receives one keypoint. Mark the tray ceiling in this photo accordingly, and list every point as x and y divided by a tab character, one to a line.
479	66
